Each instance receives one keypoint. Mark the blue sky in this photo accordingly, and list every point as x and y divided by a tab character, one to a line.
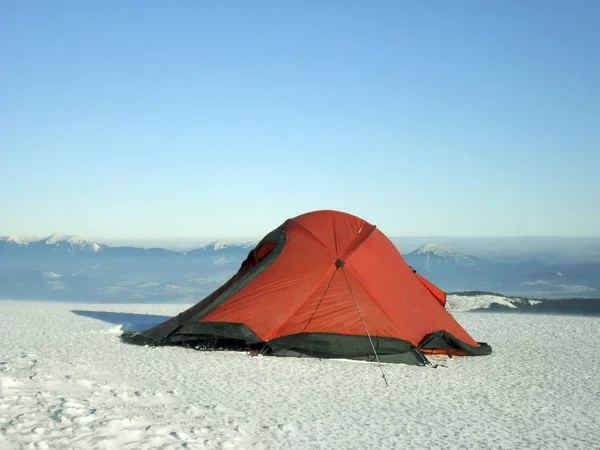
196	118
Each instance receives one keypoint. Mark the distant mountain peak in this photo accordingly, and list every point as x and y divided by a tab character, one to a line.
21	240
55	238
433	253
437	250
54	243
71	240
221	245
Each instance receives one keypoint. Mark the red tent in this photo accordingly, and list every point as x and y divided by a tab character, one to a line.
325	284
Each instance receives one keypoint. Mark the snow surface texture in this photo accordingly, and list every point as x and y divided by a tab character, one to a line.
67	381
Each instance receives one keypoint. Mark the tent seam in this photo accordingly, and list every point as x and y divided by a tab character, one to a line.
313	237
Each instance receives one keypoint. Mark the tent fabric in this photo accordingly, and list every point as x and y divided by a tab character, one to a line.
439	294
325	284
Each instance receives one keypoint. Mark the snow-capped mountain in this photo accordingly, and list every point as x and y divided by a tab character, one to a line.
430	254
221	249
19	240
454	271
447	268
72	243
73	267
55	243
221	245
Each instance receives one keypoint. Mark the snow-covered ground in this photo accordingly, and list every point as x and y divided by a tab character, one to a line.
67	381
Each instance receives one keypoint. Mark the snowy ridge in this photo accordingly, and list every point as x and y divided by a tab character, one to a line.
221	245
20	240
436	252
55	240
74	241
457	302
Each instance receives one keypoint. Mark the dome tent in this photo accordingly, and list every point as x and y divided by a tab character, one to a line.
324	284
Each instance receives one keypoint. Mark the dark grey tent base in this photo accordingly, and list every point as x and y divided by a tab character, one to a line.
446	341
342	346
228	336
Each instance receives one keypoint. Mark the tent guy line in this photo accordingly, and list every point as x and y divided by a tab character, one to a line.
340	263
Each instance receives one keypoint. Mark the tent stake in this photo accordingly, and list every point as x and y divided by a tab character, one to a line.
365	326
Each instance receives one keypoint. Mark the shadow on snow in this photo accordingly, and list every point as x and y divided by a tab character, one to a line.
129	321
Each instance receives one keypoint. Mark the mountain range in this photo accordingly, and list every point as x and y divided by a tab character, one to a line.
524	276
73	268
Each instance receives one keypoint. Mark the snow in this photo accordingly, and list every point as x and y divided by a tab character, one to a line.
221	245
21	240
466	303
51	275
456	302
434	250
437	250
57	239
67	381
54	239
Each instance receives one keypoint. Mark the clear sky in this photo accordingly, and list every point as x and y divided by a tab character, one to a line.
219	118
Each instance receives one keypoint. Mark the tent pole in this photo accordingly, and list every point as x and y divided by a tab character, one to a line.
365	326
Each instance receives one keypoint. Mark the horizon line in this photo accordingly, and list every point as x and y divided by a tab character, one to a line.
255	238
